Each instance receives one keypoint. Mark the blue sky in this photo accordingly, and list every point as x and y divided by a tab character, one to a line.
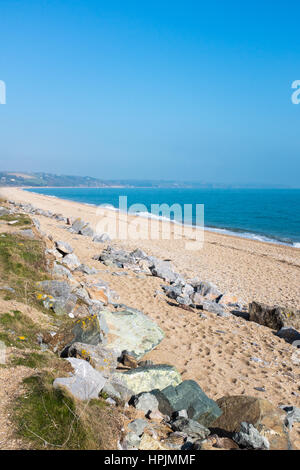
186	90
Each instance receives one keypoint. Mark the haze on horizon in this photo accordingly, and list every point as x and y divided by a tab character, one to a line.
186	91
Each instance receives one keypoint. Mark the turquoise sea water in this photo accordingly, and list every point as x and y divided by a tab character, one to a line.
262	214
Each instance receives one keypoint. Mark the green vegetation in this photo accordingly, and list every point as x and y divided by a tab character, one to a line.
18	330
32	360
50	419
23	220
22	264
44	417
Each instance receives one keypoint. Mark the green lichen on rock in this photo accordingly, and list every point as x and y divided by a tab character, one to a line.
145	379
131	331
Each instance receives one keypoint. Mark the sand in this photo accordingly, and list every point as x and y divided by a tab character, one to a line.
216	352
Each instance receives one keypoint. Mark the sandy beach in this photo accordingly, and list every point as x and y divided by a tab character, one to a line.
216	352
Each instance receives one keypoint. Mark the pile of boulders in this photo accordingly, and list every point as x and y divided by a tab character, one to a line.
106	343
77	225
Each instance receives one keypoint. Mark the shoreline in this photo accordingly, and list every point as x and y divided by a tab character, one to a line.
251	269
239	233
220	354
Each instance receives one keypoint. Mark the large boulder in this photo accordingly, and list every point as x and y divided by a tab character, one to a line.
87	231
145	379
292	415
71	261
55	288
61	272
266	418
213	307
164	270
248	437
58	296
63	247
102	359
190	397
145	402
274	317
120	258
130	330
190	428
86	330
3	211
85	383
207	290
117	388
78	225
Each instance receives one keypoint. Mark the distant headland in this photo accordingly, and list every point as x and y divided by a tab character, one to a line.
25	179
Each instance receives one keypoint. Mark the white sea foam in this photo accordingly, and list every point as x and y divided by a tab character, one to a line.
149	215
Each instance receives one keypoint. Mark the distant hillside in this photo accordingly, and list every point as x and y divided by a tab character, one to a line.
18	178
47	179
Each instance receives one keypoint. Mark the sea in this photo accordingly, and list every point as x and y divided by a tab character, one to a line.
269	215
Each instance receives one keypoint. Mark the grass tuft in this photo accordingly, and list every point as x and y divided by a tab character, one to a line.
22	219
51	419
22	264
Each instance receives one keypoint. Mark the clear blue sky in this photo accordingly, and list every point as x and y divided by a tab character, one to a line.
186	90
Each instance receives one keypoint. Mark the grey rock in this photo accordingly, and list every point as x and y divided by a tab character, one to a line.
61	305
190	397
138	254
132	331
78	225
249	437
208	289
87	231
71	261
61	271
190	427
3	211
289	334
55	288
183	300
172	291
102	359
86	269
163	270
37	224
132	441
102	238
111	256
115	388
85	383
137	426
82	294
145	402
213	307
292	415
145	379
63	247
